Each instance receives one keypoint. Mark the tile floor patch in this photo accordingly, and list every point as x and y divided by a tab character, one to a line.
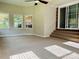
57	50
73	44
72	56
27	55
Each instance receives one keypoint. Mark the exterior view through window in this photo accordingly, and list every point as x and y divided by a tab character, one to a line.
4	21
28	21
18	21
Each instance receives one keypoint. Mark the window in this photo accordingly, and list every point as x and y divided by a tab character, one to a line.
69	17
73	21
4	21
28	21
18	21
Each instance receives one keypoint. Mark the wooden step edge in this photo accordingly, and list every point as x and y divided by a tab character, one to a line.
66	35
67	29
69	35
66	38
68	32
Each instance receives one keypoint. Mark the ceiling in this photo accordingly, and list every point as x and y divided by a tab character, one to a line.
19	2
31	2
61	2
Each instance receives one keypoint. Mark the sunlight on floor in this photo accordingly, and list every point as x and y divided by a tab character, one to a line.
73	44
54	49
72	56
27	55
57	50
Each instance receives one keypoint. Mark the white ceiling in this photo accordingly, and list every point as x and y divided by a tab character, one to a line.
61	2
23	3
19	2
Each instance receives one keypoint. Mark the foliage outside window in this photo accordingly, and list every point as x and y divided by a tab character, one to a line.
4	21
18	21
73	21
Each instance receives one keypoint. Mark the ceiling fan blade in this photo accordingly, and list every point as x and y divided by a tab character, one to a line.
45	2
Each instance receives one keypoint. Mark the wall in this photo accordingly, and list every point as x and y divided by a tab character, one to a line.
13	9
49	20
38	20
45	20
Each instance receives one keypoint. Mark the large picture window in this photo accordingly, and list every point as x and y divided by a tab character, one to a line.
18	21
4	21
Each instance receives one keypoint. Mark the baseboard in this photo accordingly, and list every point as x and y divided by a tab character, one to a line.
15	35
44	36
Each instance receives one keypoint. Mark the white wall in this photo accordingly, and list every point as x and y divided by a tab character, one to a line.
38	20
49	20
45	20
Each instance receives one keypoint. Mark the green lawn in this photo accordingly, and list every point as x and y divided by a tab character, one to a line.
3	26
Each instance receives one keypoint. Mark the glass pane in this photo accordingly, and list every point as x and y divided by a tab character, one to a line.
72	22
4	21
78	8
72	9
18	21
28	21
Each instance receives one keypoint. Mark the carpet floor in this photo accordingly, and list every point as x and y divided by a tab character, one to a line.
34	47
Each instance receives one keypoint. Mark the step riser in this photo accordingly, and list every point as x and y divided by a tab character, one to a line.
71	39
76	33
68	35
70	30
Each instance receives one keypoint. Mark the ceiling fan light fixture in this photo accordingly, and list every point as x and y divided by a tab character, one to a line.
36	4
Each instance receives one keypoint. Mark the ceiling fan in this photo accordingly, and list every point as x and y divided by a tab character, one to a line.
43	1
36	1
